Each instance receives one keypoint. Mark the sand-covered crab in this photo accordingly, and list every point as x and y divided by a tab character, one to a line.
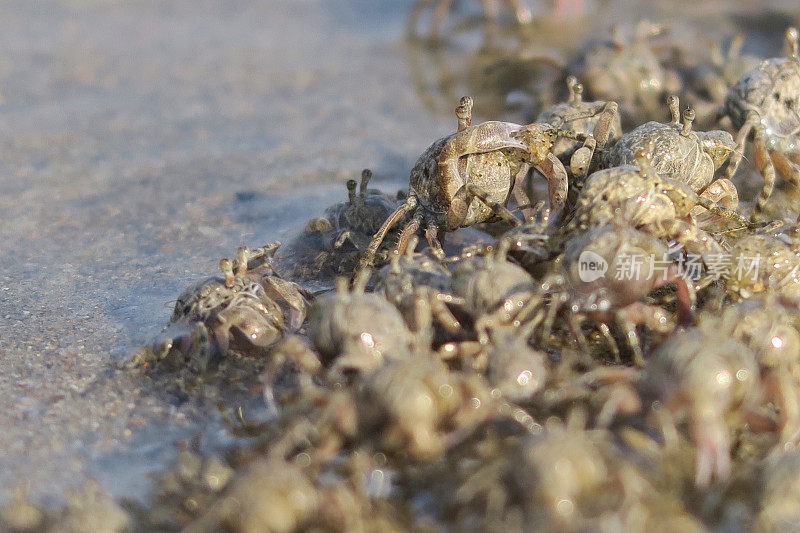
599	119
704	377
604	276
459	179
765	101
663	207
679	152
626	70
246	311
441	8
329	246
352	329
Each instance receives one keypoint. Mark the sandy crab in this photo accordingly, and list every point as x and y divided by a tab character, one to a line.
423	409
703	377
627	71
417	283
247	311
599	119
678	152
604	276
766	101
761	265
655	204
330	245
459	179
356	330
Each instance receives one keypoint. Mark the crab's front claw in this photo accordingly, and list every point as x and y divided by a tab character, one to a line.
712	452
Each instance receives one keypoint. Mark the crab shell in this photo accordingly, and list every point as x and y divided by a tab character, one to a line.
691	158
494	171
772	91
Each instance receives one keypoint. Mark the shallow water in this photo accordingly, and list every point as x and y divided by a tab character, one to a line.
142	141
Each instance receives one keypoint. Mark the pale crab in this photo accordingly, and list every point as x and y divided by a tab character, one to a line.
679	152
247	311
627	71
330	245
459	178
419	407
766	102
598	119
709	380
604	276
656	204
355	330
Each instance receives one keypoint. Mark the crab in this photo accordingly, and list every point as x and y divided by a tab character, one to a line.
627	71
354	330
330	245
779	503
707	379
765	101
459	179
763	264
416	283
604	275
599	119
663	207
493	289
770	329
679	153
418	406
246	311
708	82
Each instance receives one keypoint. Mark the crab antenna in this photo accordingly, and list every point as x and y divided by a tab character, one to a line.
394	264
688	118
617	37
240	265
674	104
351	190
366	175
341	286
793	40
227	270
575	90
464	112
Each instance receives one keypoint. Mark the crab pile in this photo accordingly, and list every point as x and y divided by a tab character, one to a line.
622	355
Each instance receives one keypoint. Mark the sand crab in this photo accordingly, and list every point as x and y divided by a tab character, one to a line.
769	329
459	179
655	204
356	330
627	71
493	289
418	406
247	311
705	378
604	276
762	264
766	101
679	153
599	119
330	245
417	283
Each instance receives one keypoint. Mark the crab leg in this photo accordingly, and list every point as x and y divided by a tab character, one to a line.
369	254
